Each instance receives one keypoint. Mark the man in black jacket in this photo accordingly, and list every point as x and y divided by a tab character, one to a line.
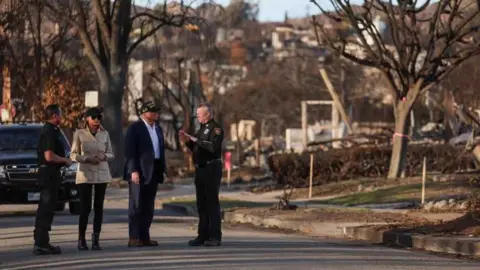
206	146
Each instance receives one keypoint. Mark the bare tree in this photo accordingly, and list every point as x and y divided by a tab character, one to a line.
104	28
421	45
34	47
464	82
174	99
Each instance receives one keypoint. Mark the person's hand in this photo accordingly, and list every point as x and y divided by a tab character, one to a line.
92	160
192	138
101	157
135	178
183	135
68	162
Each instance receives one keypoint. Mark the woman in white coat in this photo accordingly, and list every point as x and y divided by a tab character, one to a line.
92	149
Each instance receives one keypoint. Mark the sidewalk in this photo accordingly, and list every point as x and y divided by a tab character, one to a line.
458	245
363	230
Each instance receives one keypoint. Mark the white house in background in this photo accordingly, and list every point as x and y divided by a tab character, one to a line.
245	130
379	25
280	34
320	131
294	139
357	49
226	77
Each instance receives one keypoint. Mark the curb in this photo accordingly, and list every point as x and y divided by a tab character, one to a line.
233	217
332	229
186	210
449	245
181	208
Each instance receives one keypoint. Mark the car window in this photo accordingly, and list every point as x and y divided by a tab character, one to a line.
18	139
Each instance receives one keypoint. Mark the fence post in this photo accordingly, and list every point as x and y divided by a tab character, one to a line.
424	178
311	177
228	167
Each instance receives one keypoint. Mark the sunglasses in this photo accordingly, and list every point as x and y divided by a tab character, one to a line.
96	117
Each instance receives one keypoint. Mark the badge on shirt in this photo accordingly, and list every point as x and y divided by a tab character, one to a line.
206	131
218	131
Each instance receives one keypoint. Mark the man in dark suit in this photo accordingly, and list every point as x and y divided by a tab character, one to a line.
144	170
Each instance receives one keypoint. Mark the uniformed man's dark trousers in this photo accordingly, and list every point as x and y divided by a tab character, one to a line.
207	184
142	205
51	178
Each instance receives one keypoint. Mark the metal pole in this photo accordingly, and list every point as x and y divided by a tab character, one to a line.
304	124
424	178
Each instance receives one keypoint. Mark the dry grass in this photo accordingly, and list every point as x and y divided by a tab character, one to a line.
405	193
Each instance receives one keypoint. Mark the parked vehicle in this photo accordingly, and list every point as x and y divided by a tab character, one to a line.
19	183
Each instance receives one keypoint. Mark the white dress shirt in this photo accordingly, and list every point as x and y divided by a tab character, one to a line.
154	137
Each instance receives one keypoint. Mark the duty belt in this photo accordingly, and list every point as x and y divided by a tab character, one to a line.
208	163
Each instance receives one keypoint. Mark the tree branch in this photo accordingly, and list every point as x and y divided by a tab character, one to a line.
445	43
81	26
101	21
166	19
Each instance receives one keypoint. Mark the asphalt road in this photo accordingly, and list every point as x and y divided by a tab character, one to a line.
243	248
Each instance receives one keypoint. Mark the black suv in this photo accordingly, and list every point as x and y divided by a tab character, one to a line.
19	183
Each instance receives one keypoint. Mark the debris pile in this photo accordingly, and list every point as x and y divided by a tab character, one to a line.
373	161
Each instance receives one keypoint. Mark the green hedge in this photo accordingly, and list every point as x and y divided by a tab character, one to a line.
343	164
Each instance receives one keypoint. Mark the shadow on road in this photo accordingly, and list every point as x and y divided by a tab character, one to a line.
245	253
111	215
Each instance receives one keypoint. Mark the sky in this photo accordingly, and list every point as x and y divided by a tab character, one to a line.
274	10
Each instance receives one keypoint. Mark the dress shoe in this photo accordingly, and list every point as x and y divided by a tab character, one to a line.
47	249
135	243
96	241
212	243
196	242
150	243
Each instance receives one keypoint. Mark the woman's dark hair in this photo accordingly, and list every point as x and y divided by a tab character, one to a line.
51	110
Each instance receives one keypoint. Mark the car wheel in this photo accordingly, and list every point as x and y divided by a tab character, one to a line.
59	207
74	208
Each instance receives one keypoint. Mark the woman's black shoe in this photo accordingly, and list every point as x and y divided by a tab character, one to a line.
95	241
82	243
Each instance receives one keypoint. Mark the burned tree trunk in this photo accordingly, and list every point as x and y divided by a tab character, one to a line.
399	142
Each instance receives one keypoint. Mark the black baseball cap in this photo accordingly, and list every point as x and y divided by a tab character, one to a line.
93	112
149	107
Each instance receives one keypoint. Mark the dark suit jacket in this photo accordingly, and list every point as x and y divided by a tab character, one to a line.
139	154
